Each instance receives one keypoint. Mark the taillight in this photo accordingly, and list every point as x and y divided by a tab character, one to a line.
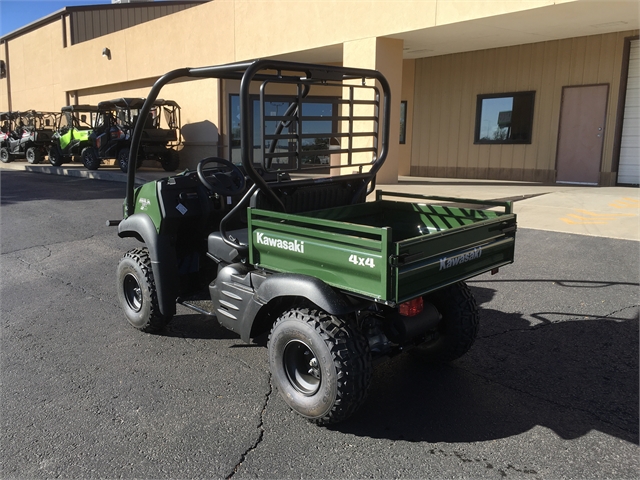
412	307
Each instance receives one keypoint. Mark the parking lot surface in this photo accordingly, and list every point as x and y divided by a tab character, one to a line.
549	390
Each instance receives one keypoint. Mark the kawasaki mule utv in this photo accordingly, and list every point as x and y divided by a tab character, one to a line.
29	136
71	136
111	137
271	245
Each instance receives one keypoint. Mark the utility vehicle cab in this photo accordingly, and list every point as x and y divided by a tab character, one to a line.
286	242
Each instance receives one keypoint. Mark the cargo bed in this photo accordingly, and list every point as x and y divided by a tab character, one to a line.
387	250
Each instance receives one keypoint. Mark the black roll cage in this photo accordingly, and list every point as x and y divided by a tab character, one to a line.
272	71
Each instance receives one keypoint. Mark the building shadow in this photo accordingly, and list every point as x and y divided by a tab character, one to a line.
20	186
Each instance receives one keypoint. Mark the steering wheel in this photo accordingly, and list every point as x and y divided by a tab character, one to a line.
224	183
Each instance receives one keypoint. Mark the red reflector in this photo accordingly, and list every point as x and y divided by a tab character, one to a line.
411	308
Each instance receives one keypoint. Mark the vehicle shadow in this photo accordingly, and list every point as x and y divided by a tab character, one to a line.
571	376
197	327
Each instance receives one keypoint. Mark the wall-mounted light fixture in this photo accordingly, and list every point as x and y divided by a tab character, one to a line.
3	69
106	53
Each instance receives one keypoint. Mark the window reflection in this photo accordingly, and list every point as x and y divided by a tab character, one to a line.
504	118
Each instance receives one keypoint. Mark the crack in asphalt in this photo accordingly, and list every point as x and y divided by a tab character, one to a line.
79	288
551	322
558	404
637	305
50	244
487	464
538	397
244	455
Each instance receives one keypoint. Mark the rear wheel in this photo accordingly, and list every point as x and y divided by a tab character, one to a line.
122	159
320	364
5	156
89	159
55	157
170	161
137	292
34	155
458	328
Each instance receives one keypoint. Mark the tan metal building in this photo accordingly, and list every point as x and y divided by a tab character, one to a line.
528	90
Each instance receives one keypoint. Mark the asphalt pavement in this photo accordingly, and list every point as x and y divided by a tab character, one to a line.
612	212
548	391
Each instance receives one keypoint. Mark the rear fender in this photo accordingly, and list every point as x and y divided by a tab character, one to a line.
163	257
278	286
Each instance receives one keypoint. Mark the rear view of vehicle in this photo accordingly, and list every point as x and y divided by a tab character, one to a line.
291	241
71	136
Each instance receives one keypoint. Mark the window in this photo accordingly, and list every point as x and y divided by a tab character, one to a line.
403	122
504	118
319	122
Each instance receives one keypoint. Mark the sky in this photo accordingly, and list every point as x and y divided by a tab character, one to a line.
18	13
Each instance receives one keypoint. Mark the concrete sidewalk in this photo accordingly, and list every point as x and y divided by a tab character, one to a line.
612	212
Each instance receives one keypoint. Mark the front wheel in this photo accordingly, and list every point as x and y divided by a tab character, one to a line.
320	364
137	292
458	328
34	155
89	159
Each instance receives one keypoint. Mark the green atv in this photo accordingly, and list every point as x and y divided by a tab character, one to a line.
272	246
72	133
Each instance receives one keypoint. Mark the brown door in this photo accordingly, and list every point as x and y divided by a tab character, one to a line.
581	137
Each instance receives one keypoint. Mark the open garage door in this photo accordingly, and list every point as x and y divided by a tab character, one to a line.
629	166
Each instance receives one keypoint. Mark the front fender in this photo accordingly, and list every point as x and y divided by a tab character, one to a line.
164	263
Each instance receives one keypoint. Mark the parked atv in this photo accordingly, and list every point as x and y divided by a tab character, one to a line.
71	136
335	280
29	136
111	136
6	119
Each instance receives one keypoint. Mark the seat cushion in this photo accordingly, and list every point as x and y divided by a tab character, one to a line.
223	252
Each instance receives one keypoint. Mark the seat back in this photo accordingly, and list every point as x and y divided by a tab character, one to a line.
299	197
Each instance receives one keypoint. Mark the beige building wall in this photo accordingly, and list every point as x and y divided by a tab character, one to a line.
440	94
404	150
445	106
34	69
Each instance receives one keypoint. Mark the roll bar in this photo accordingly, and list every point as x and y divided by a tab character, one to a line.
273	71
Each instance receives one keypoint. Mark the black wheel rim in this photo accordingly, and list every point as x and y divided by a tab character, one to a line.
302	367
132	292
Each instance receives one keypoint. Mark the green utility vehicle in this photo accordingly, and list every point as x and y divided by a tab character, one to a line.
111	136
72	133
273	246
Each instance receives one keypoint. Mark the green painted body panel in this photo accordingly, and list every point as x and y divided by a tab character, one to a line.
146	201
74	134
387	250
